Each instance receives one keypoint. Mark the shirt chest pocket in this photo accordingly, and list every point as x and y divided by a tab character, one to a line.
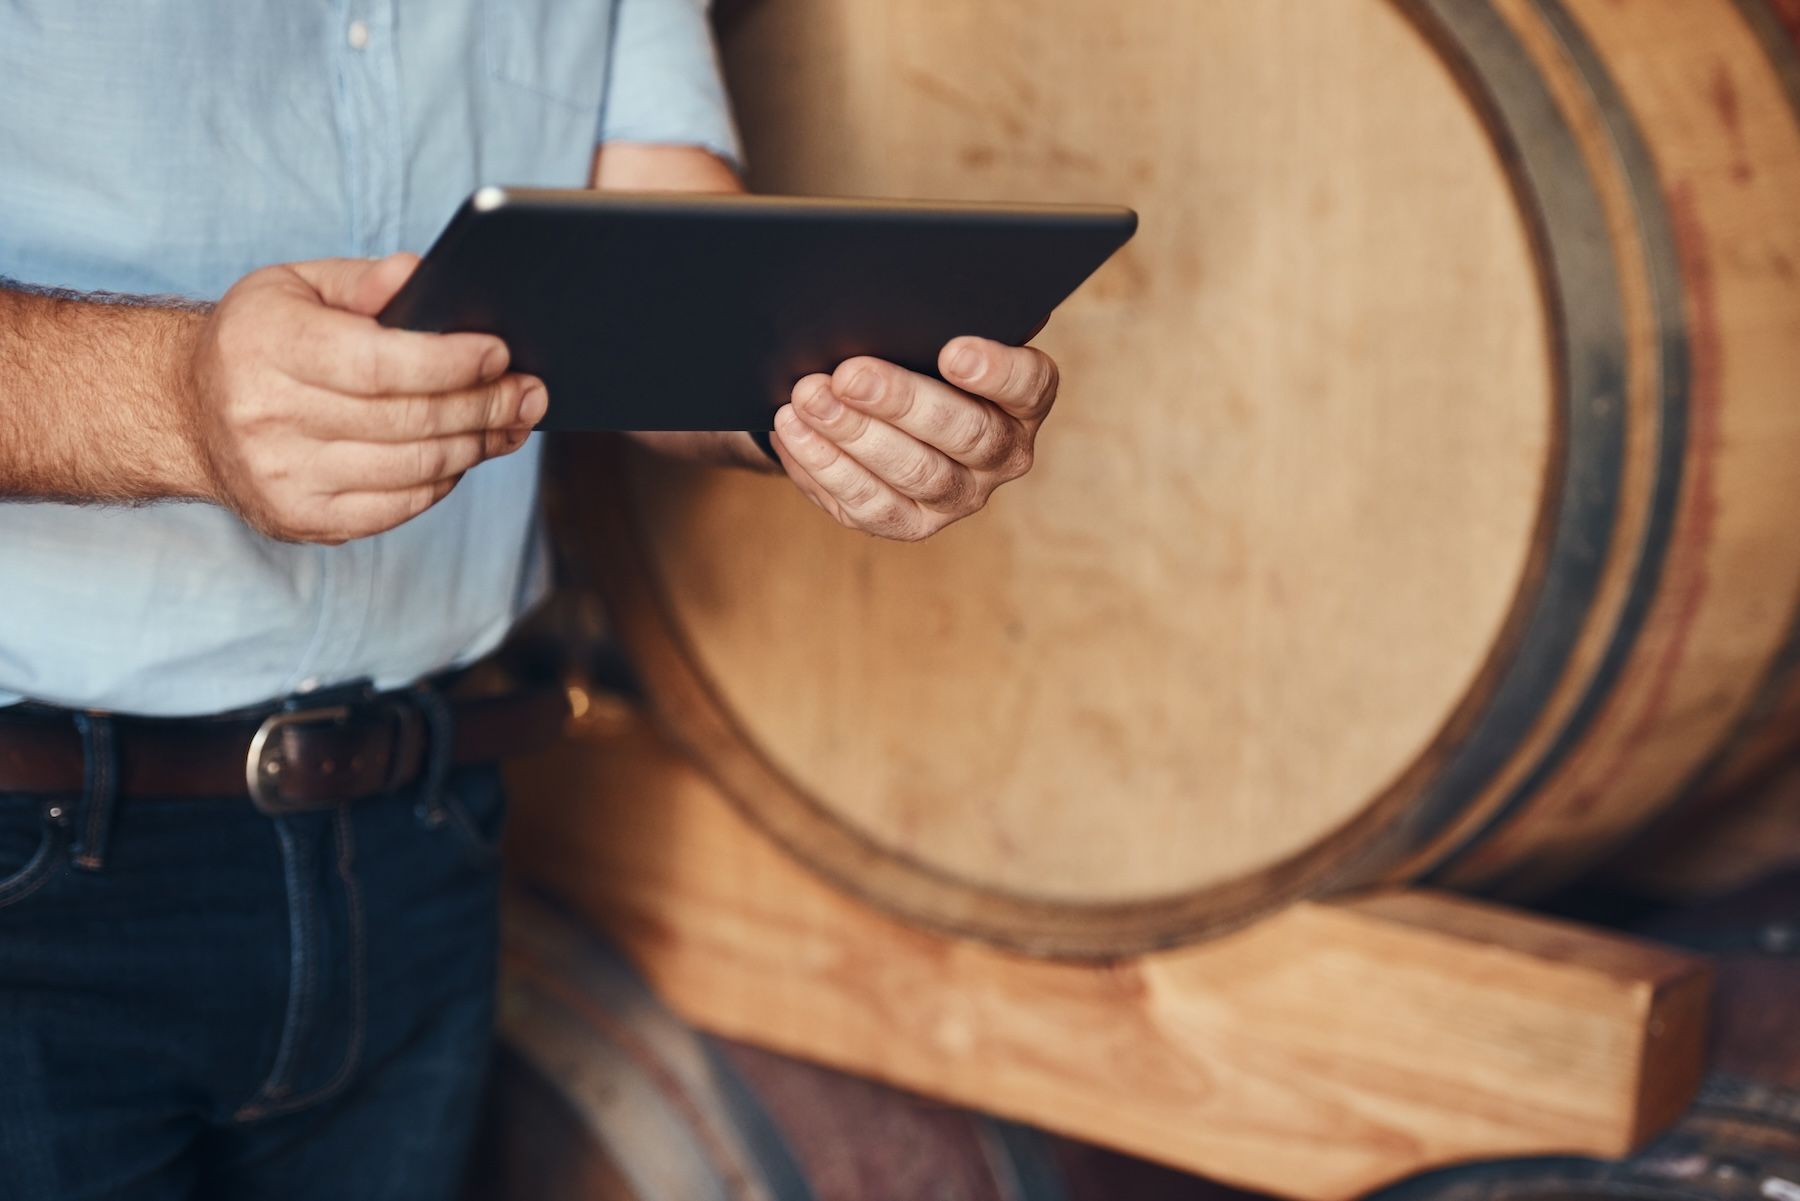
556	49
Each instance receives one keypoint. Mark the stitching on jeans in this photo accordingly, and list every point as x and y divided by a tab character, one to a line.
98	787
37	870
481	849
100	734
42	879
358	985
440	733
300	968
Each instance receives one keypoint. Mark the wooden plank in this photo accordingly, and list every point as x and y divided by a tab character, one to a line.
1319	1054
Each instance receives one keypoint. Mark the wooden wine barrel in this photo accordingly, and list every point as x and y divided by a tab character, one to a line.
1420	504
1741	1140
600	1094
1728	841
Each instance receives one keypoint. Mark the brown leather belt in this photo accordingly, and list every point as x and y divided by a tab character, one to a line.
297	757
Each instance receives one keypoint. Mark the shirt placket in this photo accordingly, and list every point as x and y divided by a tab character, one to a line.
370	134
375	149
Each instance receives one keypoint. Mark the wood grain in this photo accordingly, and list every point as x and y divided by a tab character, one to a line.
1419	502
1729	843
1331	1049
1724	135
1740	1141
1160	607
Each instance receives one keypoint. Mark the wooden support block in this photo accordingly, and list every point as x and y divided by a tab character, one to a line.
1324	1052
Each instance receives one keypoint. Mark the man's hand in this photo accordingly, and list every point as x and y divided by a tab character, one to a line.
315	424
882	450
902	455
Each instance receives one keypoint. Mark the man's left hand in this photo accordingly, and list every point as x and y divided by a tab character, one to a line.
901	455
881	449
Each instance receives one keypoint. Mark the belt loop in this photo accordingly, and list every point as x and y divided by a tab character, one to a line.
99	789
440	741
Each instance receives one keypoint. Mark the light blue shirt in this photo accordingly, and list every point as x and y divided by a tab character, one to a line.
172	146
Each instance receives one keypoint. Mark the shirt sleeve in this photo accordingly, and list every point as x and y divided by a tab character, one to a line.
664	84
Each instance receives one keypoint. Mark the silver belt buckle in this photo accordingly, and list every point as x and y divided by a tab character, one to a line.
262	766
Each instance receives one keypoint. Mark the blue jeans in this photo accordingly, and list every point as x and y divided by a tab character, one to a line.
198	1001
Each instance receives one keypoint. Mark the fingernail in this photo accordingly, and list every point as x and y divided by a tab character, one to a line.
493	362
864	385
822	403
789	425
965	362
535	403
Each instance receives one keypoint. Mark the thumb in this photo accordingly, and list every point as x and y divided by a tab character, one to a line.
362	286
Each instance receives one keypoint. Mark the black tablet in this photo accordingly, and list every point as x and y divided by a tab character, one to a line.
700	312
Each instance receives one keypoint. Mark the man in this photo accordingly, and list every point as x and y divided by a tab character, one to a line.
246	876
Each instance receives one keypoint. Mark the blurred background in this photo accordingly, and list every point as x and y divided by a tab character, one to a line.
1359	757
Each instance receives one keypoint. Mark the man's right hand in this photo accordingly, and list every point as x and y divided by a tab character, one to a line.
316	424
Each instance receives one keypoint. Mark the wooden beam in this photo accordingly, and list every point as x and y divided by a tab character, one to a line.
1327	1051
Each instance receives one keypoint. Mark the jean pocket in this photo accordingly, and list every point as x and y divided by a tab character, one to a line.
33	835
554	48
472	811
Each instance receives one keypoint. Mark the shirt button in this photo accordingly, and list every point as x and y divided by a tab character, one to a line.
358	35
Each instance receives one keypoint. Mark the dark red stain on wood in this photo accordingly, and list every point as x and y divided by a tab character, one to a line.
1725	100
858	1139
1684	574
1788	13
616	1028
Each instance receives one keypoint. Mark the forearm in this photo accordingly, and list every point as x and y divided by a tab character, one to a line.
95	399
